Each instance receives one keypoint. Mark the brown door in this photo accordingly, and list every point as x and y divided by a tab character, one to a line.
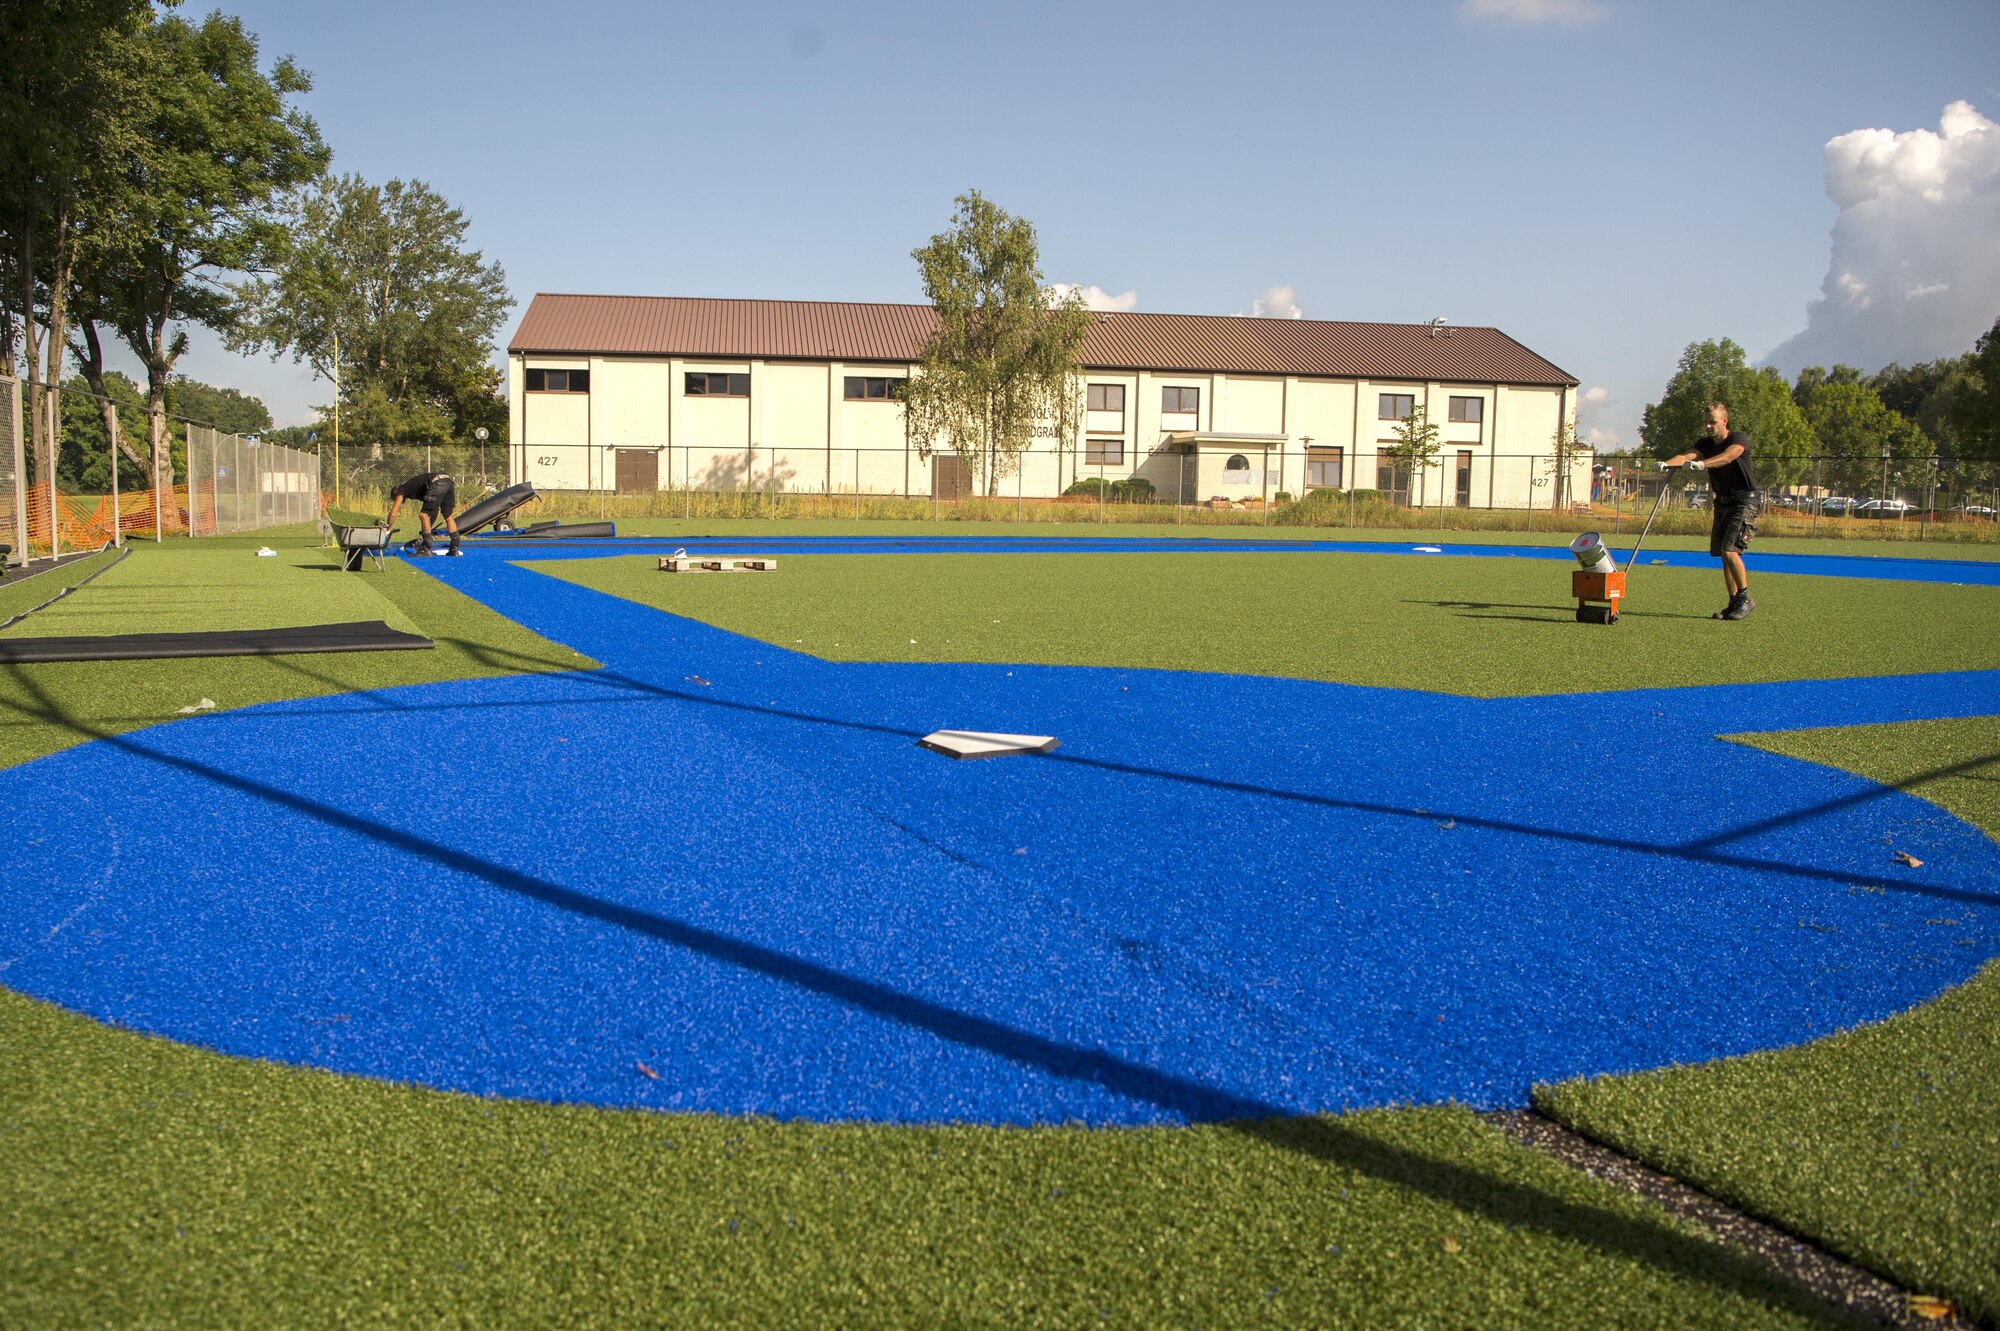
638	470
951	478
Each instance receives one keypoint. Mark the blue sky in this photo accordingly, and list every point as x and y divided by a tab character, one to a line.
1606	180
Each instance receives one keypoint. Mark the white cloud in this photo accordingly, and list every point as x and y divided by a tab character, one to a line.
1565	13
1276	303
1914	272
1097	298
1592	404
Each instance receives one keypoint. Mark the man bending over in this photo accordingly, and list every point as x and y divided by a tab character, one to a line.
439	498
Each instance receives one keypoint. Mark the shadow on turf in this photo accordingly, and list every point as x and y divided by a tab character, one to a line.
1651	1241
1555	615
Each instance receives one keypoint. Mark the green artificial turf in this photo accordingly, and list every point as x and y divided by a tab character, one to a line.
224	584
1619	538
1487	628
154	1185
1883	1142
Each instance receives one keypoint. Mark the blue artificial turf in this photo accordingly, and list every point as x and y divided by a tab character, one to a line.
717	875
1964	572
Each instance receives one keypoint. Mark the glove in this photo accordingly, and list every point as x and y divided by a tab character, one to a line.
1697	465
1666	466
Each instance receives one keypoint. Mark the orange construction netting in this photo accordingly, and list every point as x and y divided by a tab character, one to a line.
87	520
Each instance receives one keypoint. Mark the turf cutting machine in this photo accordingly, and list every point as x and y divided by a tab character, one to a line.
1599	584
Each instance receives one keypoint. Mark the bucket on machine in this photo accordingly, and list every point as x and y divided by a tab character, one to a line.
1592	555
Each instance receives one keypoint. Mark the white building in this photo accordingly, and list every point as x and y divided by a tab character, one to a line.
645	392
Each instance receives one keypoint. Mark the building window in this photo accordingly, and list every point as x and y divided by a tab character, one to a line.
1237	462
1392	477
859	388
1323	468
1395	406
1106	397
1104	452
718	385
1180	401
558	381
1467	410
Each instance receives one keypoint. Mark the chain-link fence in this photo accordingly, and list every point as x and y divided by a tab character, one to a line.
214	483
237	483
1271	485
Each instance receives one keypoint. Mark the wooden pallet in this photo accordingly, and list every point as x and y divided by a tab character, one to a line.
738	564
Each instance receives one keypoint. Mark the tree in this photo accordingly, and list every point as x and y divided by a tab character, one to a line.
84	460
198	198
93	409
1416	447
1860	440
383	273
1004	354
1982	415
68	124
1813	376
1564	449
1760	405
230	410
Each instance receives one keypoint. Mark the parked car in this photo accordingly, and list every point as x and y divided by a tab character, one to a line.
1883	508
1837	504
1974	511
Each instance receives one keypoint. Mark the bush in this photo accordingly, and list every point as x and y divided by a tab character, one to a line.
1137	490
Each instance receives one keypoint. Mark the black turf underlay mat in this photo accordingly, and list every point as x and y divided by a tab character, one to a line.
362	636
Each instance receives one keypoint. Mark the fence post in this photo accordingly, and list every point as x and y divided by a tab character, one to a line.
1180	489
1266	484
1817	497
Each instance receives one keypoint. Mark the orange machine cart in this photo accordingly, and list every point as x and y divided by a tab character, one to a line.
1599	596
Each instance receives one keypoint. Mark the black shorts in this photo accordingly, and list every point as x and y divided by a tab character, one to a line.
1735	523
441	499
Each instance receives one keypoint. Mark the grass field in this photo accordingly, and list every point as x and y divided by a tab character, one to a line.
156	1184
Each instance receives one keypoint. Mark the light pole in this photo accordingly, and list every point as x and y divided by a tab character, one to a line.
480	435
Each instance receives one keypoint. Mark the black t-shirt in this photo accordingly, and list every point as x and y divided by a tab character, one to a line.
418	486
1731	479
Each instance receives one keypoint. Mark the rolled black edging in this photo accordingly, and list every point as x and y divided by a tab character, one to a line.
123	551
359	636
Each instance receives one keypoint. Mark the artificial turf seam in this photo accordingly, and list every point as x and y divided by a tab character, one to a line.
1905	1112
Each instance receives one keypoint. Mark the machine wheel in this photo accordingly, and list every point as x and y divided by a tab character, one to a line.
1594	614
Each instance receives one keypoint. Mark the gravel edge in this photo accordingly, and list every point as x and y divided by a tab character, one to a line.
1785	1254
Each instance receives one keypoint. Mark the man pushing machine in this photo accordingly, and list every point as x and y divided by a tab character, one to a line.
438	497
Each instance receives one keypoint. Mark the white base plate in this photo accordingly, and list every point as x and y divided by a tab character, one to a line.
984	744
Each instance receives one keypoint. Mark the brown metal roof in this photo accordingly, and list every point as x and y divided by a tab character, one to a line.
1188	343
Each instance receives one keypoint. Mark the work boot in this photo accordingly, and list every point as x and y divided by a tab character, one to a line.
1724	613
454	548
1740	608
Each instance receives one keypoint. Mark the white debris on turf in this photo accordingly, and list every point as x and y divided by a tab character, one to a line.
264	551
205	705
